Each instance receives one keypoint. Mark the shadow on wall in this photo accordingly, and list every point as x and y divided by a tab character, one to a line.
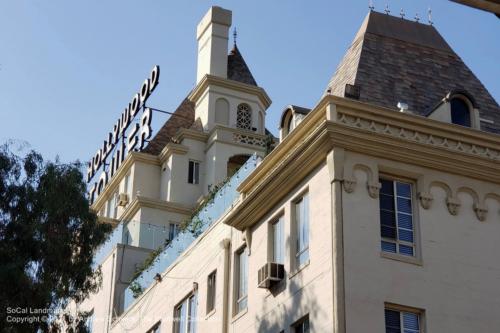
288	302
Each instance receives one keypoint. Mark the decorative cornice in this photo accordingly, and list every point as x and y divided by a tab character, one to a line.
372	131
188	133
208	80
144	202
172	148
131	158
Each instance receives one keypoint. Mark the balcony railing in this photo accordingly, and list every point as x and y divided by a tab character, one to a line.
222	202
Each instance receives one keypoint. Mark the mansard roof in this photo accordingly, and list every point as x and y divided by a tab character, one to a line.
237	69
395	60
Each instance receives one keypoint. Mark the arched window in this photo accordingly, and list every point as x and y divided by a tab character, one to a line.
460	112
222	111
244	117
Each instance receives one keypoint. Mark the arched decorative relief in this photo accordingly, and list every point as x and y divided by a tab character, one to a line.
441	185
425	199
349	184
453	205
373	189
481	211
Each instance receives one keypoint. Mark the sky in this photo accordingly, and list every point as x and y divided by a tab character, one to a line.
69	68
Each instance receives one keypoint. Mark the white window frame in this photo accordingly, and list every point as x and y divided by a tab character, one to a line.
277	240
190	323
407	310
414	218
240	281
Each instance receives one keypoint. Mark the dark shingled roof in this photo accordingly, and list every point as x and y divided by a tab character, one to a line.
394	60
237	69
183	117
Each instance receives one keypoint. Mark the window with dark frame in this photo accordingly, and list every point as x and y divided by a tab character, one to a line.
302	230
460	112
155	328
173	230
397	321
194	172
301	326
211	290
396	217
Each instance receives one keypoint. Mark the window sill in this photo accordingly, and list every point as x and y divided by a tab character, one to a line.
399	257
239	315
300	269
210	314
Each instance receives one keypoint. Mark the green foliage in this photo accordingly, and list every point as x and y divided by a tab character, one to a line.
48	236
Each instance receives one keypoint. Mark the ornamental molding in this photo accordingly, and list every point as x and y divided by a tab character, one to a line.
418	136
249	139
425	199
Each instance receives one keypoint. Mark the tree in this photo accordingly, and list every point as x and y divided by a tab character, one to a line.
48	235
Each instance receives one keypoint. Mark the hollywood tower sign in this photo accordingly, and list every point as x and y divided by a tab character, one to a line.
122	140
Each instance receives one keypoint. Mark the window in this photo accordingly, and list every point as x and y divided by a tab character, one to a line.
278	241
127	186
185	315
211	287
244	117
396	217
302	326
194	172
302	233
460	112
155	328
402	321
241	280
173	230
112	207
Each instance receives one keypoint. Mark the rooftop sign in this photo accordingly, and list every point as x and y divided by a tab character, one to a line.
122	140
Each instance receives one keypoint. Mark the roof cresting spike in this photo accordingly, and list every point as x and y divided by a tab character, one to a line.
387	10
417	18
370	5
235	35
402	13
429	16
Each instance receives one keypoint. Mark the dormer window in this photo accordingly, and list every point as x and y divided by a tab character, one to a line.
460	112
244	117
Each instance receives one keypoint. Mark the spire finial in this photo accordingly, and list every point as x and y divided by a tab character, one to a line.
417	18
370	5
386	10
429	16
402	13
235	35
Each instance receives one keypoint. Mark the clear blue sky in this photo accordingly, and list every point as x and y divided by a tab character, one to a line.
68	68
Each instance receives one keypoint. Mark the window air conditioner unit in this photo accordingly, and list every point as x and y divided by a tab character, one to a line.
270	274
122	199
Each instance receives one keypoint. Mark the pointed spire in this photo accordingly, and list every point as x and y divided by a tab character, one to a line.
235	35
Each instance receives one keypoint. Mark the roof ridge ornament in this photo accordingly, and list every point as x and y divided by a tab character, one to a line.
417	18
235	35
370	5
402	13
429	16
387	10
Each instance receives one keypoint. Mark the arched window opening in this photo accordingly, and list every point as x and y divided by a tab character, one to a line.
235	162
244	117
222	111
460	112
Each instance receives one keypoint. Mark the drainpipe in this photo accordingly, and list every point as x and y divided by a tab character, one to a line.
335	163
226	245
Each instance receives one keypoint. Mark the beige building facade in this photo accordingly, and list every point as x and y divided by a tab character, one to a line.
377	211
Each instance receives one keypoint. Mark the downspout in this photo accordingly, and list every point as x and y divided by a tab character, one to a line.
335	163
226	245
